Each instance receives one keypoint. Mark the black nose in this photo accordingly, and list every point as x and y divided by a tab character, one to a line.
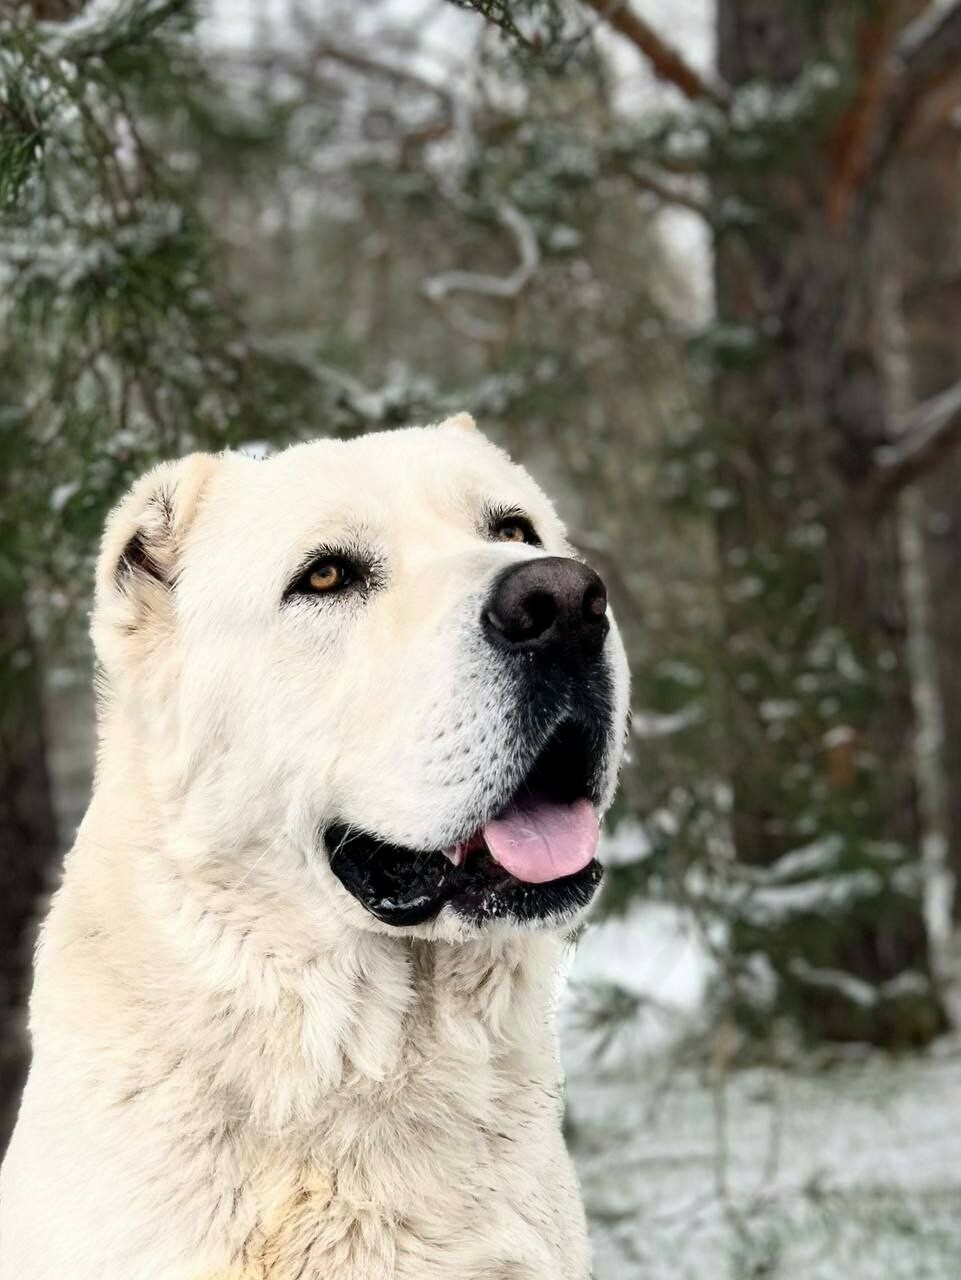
552	607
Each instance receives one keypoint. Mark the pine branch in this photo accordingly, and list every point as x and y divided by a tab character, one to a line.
666	62
929	433
498	13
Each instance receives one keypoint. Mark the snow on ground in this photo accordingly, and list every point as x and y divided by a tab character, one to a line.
847	1172
851	1172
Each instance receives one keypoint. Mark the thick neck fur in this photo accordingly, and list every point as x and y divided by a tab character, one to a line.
300	1096
276	1010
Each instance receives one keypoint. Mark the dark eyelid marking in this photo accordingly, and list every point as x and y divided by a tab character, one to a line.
367	568
495	513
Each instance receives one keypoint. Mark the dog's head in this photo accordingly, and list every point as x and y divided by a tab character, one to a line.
369	672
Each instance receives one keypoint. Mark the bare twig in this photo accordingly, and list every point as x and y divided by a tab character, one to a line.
928	66
928	434
930	44
395	72
682	194
666	62
304	65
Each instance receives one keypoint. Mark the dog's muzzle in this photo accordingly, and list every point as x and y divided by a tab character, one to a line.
528	852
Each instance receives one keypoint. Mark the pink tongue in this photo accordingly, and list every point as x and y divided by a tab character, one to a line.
540	841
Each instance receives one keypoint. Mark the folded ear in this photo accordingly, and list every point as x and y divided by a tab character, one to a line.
140	558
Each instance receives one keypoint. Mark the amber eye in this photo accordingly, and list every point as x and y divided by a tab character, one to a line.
515	529
327	575
336	574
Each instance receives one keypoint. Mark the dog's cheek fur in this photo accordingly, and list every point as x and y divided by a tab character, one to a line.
452	716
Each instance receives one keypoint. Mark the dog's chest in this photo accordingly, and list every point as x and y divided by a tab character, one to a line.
422	1143
432	1180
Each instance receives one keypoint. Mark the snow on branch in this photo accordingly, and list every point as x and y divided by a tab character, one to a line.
437	288
856	990
930	44
928	54
666	61
928	433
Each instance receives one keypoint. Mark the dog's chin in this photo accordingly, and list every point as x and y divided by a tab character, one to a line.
466	884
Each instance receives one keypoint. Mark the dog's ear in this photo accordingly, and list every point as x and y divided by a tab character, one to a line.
140	557
459	422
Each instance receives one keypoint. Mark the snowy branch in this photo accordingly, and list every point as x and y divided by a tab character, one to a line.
928	64
437	288
930	51
666	62
929	433
929	45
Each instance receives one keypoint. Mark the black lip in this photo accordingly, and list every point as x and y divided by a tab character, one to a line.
406	887
398	886
403	886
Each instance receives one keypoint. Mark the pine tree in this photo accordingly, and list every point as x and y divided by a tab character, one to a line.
798	462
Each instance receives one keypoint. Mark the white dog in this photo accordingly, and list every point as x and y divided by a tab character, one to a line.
361	710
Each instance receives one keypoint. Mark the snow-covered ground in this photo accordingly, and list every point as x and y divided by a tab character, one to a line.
844	1172
850	1173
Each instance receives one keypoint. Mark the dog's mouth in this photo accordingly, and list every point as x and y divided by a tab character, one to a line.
532	860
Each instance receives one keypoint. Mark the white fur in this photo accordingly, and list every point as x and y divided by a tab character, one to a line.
238	1074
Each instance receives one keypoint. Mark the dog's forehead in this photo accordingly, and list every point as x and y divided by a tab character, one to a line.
372	479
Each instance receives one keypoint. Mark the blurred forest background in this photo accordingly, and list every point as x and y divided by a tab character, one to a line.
697	263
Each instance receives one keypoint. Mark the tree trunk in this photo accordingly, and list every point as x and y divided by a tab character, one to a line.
926	199
28	840
819	692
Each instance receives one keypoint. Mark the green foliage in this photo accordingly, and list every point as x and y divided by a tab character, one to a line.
123	342
539	35
21	141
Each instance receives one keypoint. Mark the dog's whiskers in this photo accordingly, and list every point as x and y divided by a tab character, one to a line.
268	848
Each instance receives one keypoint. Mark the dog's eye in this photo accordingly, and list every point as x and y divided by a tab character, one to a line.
326	576
514	528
